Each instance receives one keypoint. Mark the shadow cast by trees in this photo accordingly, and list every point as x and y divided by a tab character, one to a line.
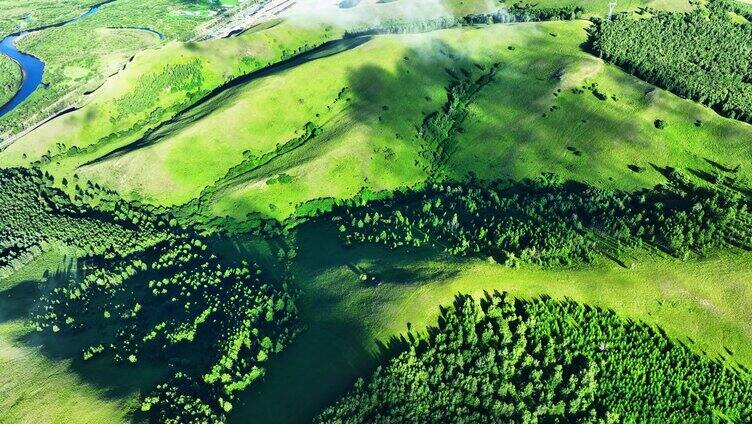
22	300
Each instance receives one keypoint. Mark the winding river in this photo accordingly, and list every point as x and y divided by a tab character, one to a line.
32	67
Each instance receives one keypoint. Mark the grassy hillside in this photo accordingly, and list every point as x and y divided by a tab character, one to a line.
354	97
155	86
541	113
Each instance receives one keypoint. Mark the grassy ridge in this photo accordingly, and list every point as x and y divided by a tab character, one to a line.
163	82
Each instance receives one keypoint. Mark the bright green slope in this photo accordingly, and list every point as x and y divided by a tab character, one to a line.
154	86
42	384
369	135
513	132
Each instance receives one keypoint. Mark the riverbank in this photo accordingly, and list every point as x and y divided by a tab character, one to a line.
10	79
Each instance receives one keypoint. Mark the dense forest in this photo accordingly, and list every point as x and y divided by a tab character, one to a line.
702	55
549	223
148	290
516	361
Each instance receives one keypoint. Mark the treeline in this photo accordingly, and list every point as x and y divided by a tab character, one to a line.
702	55
548	223
519	12
35	215
149	290
516	361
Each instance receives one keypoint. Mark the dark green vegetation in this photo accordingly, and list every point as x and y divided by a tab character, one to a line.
547	223
149	291
702	55
35	215
544	361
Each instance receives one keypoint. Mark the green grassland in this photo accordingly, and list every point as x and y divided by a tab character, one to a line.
512	131
77	59
10	79
527	121
350	122
154	87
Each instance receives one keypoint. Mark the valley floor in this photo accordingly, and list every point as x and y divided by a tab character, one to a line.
703	303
